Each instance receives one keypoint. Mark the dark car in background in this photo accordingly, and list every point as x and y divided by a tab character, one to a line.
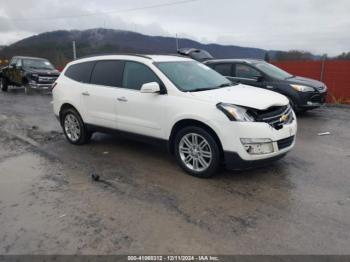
199	55
304	93
30	72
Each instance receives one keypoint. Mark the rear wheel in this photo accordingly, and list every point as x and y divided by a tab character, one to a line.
74	127
4	84
197	152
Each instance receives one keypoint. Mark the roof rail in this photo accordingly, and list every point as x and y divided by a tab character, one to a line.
130	54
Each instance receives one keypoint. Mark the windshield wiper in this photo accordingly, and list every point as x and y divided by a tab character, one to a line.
212	88
202	89
225	85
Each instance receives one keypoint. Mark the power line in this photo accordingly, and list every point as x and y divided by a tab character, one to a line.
106	12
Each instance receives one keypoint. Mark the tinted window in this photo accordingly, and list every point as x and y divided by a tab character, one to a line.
108	73
245	71
80	72
224	69
136	74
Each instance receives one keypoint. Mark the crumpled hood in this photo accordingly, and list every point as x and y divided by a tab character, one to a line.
305	81
243	95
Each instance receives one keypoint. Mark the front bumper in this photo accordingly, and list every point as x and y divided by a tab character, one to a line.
312	100
236	155
234	162
41	86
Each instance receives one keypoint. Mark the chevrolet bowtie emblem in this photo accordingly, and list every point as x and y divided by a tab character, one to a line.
284	118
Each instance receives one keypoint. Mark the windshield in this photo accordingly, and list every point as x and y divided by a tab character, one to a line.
273	71
37	64
191	76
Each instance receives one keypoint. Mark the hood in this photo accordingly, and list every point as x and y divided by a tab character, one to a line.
305	81
46	72
243	95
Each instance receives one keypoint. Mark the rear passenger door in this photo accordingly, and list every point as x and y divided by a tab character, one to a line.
137	112
99	98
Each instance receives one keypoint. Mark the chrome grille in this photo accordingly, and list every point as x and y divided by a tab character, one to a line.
275	116
47	79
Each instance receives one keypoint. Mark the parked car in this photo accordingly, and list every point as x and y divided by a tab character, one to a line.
30	72
200	116
303	93
196	54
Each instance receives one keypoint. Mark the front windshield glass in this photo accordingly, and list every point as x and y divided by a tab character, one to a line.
192	76
273	71
37	64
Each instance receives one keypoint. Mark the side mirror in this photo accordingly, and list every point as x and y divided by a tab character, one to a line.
150	88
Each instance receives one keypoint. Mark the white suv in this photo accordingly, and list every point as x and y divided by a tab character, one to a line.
203	118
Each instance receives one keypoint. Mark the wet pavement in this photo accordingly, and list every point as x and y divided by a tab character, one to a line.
145	204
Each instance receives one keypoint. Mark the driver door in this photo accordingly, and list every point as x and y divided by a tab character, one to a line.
11	70
17	72
140	113
246	74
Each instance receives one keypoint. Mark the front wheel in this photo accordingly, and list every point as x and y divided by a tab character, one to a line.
197	152
74	127
28	90
4	84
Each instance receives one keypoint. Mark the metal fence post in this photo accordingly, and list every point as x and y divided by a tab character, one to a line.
323	67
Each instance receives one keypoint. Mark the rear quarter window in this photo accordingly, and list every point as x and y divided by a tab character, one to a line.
80	72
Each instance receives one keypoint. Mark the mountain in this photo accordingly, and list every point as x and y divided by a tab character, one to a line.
57	45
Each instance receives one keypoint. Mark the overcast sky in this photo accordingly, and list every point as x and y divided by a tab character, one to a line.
319	26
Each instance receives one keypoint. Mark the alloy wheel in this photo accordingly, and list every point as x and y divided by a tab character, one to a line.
195	152
72	127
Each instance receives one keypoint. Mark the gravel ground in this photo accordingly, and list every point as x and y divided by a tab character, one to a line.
145	204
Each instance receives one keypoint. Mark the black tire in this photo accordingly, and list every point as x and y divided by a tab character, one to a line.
28	90
84	134
295	107
214	164
4	84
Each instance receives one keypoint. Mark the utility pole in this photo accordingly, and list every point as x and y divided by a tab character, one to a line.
74	51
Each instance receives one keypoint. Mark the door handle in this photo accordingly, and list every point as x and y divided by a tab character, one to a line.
122	99
85	93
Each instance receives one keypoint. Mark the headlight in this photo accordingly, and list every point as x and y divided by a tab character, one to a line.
235	113
35	75
301	88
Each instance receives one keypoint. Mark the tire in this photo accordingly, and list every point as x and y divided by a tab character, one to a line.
4	84
197	152
74	128
296	109
28	90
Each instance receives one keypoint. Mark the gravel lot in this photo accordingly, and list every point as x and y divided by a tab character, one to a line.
146	205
